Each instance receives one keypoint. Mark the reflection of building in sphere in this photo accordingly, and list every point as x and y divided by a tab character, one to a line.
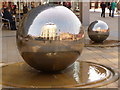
98	31
49	31
68	36
39	34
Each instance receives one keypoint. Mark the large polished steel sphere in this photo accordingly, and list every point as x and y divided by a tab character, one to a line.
98	31
50	38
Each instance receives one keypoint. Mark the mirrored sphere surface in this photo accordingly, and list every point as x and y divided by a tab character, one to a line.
50	38
98	31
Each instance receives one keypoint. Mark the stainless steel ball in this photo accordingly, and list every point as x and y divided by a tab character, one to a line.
50	38
98	31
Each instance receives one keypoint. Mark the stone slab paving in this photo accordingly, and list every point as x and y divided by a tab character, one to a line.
106	56
112	23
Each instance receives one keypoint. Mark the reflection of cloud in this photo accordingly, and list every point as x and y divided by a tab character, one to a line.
100	25
62	17
98	28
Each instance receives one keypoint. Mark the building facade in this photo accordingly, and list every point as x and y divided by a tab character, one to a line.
49	31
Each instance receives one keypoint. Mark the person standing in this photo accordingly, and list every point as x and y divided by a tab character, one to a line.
103	6
113	5
109	7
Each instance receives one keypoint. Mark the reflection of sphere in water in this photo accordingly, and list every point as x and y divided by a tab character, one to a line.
98	31
50	38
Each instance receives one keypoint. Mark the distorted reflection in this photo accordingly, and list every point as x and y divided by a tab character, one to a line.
50	38
98	31
95	74
76	71
70	78
101	30
83	73
50	32
57	15
50	54
100	26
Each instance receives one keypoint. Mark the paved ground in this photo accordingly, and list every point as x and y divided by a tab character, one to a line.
112	23
107	56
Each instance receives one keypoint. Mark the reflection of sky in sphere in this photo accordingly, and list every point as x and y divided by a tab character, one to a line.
65	20
100	25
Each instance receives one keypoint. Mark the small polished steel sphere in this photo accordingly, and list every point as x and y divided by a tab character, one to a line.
50	38
98	31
